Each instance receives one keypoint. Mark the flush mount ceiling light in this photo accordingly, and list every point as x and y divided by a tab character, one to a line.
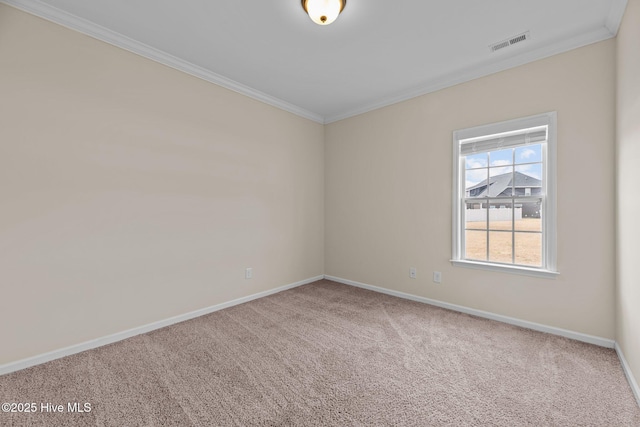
323	12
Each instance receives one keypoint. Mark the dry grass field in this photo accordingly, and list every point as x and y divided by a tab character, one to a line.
528	246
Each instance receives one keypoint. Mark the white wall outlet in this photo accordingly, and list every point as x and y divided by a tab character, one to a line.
248	273
412	272
437	277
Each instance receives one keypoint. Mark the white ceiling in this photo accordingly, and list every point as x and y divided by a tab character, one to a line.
376	53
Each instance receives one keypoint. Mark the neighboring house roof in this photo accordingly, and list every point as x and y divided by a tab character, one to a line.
499	183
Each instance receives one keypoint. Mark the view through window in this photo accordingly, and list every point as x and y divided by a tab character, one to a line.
503	206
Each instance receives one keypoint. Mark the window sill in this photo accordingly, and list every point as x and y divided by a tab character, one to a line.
534	272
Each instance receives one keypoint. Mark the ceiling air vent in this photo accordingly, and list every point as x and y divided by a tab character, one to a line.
511	41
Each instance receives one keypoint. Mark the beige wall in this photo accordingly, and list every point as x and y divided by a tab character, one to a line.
628	176
388	192
131	192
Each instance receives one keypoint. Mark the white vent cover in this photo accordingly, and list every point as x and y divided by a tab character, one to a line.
510	41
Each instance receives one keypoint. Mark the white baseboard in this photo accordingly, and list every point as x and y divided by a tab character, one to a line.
88	345
119	336
627	371
603	342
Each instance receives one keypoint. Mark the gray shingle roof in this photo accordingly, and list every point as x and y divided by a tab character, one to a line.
499	183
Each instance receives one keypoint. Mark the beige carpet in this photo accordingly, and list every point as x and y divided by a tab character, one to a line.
330	354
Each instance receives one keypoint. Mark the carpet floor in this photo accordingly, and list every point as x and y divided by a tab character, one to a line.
334	355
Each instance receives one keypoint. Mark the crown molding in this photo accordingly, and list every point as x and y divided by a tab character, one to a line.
615	16
50	13
482	70
98	32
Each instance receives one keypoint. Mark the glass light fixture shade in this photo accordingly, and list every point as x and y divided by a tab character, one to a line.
323	12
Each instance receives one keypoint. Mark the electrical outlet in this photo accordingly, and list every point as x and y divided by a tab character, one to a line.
437	277
412	272
248	273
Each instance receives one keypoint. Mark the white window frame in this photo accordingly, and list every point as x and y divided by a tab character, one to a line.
549	215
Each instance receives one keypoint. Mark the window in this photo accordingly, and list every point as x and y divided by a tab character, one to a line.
504	196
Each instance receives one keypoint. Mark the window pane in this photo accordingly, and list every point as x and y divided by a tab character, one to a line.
476	245
528	216
501	157
477	161
528	249
528	180
500	248
476	183
529	154
501	215
476	216
500	181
